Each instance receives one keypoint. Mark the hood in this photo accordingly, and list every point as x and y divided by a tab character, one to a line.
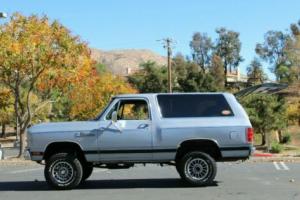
64	126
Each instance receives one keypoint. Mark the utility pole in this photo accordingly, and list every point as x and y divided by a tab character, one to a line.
167	44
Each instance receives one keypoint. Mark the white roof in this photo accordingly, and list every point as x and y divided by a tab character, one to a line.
154	94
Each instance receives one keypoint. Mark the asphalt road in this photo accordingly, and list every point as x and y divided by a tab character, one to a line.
234	181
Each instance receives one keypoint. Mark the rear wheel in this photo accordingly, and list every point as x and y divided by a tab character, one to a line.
63	171
197	168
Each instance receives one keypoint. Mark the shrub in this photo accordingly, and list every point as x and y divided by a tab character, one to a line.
276	147
286	138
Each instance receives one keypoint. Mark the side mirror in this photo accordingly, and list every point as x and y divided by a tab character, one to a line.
114	116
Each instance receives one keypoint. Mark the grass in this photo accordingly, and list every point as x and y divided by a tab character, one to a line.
292	148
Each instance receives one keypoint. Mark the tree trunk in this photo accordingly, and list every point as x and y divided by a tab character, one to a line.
263	139
22	142
202	68
277	136
225	74
279	132
3	130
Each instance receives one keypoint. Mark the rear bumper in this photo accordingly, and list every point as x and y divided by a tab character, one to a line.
236	153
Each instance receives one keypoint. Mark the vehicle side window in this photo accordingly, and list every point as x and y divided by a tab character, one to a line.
190	105
130	110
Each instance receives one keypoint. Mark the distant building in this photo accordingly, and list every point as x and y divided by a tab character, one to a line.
130	71
236	77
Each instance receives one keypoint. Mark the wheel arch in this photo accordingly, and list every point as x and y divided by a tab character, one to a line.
205	145
64	146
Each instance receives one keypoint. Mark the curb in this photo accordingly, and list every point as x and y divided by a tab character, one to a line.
262	155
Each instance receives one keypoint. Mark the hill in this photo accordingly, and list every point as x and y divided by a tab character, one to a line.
126	61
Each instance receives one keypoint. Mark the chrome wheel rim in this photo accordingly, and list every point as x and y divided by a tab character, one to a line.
62	172
197	169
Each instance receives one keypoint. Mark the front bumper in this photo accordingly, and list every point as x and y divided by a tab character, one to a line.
33	155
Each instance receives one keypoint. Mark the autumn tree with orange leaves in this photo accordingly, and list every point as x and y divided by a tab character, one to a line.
42	64
81	94
97	91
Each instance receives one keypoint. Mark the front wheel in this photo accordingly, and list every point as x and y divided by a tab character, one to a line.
197	168
87	172
63	171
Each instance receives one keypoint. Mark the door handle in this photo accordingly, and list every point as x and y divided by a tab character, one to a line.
84	134
143	126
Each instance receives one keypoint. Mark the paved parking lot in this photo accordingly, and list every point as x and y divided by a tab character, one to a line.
269	180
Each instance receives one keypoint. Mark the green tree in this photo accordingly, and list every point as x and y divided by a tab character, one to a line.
101	68
29	46
293	53
284	74
228	48
190	78
196	80
217	71
255	73
266	113
187	77
150	78
273	50
202	47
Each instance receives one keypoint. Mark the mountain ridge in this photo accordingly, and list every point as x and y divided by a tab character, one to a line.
126	61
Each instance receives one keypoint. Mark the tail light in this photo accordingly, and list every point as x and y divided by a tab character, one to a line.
250	135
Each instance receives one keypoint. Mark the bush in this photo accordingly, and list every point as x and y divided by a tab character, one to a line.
276	147
286	138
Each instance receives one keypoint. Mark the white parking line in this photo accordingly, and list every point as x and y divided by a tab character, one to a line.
285	167
25	170
280	166
276	165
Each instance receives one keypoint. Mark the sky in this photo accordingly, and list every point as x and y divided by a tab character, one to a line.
138	24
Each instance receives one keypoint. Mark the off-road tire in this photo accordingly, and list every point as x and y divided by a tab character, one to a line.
197	168
63	171
87	172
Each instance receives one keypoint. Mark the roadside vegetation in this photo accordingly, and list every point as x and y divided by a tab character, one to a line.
47	74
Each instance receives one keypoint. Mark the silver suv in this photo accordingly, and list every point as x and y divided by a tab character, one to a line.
188	130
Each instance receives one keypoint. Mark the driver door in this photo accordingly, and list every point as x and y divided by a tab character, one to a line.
130	137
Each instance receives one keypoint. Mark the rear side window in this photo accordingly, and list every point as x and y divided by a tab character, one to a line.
193	105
